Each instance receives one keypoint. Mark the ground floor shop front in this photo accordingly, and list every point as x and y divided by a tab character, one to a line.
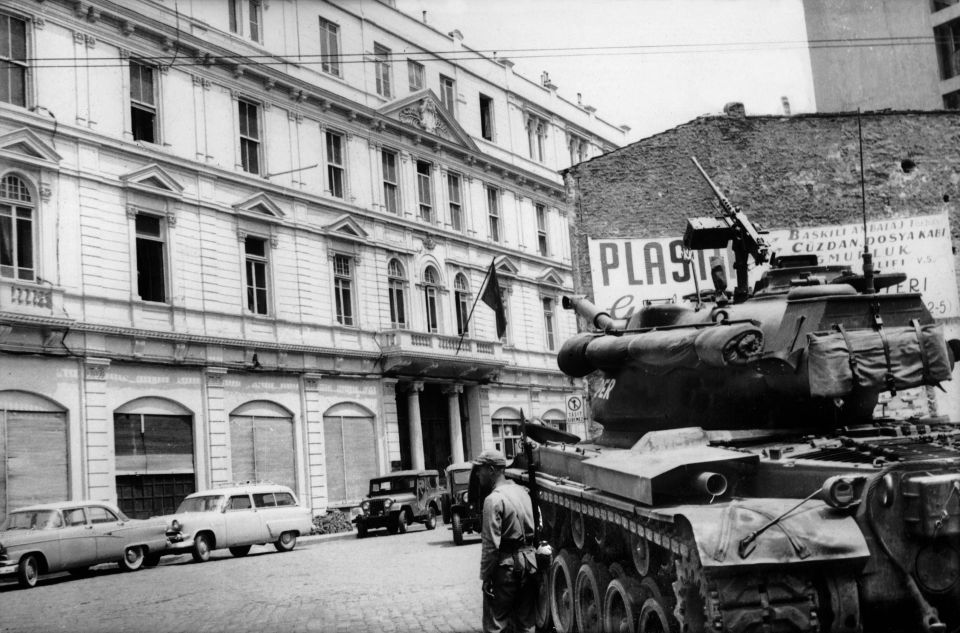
145	435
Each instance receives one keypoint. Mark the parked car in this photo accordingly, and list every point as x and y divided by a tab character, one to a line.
73	536
460	501
399	499
236	518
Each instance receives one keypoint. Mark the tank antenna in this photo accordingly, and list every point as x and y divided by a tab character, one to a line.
867	255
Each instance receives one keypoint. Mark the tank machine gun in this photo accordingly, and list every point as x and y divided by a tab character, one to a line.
741	483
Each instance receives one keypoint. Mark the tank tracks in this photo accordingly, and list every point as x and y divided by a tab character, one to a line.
662	584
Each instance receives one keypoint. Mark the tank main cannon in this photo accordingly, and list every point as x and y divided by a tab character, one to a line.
741	482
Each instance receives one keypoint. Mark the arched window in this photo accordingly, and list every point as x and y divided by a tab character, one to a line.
261	444
461	300
506	431
350	449
555	418
33	451
16	229
431	285
396	282
153	449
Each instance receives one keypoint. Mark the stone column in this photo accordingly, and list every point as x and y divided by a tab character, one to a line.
456	435
218	431
101	472
316	446
416	427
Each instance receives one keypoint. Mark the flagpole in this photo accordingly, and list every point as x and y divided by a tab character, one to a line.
469	316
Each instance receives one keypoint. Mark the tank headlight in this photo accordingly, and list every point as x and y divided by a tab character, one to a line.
937	565
175	526
388	503
839	491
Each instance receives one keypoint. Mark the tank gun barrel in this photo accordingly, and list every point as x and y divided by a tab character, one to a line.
595	316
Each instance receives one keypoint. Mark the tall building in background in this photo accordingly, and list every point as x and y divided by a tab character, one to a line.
241	240
879	54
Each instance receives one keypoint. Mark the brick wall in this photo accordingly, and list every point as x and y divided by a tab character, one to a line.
782	171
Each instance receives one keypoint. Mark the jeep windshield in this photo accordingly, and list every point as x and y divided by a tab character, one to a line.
461	477
395	484
206	503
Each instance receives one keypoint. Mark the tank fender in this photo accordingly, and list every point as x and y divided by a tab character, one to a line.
813	533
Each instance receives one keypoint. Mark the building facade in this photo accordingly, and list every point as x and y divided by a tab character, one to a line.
241	240
877	54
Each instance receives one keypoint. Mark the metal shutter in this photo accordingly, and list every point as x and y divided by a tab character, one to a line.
261	449
33	456
350	448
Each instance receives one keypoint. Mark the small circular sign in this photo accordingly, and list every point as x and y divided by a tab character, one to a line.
574	404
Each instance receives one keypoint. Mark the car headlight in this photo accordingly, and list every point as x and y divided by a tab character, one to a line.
388	503
175	526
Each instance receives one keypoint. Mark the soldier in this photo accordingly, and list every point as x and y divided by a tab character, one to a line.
508	563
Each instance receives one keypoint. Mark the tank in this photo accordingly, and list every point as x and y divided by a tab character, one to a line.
741	482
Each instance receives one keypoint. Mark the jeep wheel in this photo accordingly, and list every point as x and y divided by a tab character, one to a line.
457	528
431	521
240	550
286	542
201	548
361	530
402	522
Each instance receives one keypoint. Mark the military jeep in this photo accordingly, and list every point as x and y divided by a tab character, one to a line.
461	501
399	499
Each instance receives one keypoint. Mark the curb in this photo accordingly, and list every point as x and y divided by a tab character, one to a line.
324	538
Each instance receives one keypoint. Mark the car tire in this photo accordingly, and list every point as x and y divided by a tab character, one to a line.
201	548
151	560
431	521
457	528
402	522
28	571
286	542
361	530
132	559
240	550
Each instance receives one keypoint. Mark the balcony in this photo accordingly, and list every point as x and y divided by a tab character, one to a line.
435	355
29	298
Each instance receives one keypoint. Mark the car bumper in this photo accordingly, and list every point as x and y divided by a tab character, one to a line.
380	521
177	543
8	567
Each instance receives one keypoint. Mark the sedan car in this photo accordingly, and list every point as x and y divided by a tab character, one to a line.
237	518
73	536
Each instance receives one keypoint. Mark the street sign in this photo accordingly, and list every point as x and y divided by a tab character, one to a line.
574	409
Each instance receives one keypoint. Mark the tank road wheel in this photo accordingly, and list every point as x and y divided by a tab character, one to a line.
457	528
655	619
640	553
578	530
591	587
542	620
563	572
621	605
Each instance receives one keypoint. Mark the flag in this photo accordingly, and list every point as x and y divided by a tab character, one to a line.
491	296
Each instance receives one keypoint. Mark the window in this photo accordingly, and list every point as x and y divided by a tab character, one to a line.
233	7
151	279
536	137
486	117
947	37
447	94
461	300
239	502
381	60
101	515
391	186
74	516
255	18
329	47
548	323
16	230
256	262
13	60
343	288
506	433
335	171
396	281
249	137
431	283
424	194
456	206
493	213
578	149
415	73
541	211
143	103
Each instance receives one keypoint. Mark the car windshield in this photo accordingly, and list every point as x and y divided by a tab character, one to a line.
395	484
32	520
206	503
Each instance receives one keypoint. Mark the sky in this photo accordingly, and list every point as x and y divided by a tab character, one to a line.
648	64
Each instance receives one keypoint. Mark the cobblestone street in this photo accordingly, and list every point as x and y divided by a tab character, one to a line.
418	581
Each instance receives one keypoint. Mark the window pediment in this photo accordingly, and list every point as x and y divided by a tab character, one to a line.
153	179
422	112
550	278
25	146
347	228
506	265
260	205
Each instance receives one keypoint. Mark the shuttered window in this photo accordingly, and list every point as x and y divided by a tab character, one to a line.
350	449
33	457
261	446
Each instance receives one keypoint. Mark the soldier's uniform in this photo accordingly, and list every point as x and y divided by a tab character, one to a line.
508	559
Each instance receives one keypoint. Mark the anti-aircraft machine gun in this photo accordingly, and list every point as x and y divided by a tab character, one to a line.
741	482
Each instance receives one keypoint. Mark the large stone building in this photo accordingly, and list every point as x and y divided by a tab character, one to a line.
240	240
876	54
785	172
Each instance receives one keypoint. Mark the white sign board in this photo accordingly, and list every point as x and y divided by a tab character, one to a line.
628	272
574	409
